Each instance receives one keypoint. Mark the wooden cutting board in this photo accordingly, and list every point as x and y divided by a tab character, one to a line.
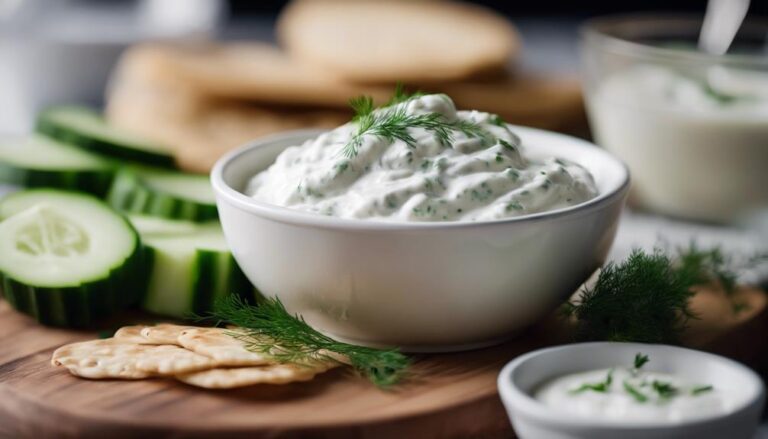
452	395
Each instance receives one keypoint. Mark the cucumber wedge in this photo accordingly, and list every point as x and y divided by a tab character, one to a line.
189	267
67	259
172	195
87	129
37	161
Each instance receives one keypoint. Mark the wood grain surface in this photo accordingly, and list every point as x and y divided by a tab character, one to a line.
451	395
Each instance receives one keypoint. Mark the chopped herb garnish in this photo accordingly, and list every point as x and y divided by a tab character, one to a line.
698	390
640	360
665	390
497	120
601	387
632	390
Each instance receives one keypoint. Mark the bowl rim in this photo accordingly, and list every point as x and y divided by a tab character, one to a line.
231	195
598	29
521	401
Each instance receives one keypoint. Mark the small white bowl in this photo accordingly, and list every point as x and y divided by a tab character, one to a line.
436	286
532	420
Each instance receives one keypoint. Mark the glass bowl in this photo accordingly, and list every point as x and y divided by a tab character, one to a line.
692	127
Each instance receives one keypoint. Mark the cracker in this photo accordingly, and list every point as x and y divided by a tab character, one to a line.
248	70
199	129
248	376
132	334
397	40
163	333
548	102
217	343
113	358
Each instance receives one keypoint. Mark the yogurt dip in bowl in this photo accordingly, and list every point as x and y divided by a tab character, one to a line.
630	390
692	127
435	230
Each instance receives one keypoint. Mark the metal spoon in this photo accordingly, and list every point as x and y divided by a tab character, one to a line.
721	23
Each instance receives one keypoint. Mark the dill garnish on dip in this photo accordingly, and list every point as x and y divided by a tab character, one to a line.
634	394
419	159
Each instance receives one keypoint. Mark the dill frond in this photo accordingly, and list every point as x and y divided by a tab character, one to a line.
270	329
392	121
642	299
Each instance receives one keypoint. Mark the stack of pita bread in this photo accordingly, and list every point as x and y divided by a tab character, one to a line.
204	99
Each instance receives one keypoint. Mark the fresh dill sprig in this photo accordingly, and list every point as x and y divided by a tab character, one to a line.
640	360
400	95
643	299
392	122
715	267
270	329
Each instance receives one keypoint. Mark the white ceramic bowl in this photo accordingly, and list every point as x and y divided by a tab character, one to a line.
532	420
420	286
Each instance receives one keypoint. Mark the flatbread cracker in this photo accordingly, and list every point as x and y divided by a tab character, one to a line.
198	128
163	333
248	70
217	343
113	358
248	376
398	40
132	334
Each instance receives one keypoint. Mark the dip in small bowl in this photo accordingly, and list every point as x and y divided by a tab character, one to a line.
610	390
500	226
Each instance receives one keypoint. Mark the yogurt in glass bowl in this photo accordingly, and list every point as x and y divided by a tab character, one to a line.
692	127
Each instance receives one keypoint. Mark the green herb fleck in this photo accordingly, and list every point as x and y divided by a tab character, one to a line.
634	392
664	390
601	387
640	360
698	390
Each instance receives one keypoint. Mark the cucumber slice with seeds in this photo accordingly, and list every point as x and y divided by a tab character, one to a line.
190	267
172	195
87	129
37	161
66	258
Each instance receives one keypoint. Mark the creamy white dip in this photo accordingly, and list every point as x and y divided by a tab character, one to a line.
470	177
631	395
695	141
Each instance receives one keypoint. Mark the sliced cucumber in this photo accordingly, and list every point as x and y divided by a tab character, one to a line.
190	267
37	161
67	258
87	129
172	195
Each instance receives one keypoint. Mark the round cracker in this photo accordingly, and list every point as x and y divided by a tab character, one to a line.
114	358
222	346
163	333
247	376
398	40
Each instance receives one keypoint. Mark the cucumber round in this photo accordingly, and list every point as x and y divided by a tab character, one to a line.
189	267
37	161
172	195
87	129
67	258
